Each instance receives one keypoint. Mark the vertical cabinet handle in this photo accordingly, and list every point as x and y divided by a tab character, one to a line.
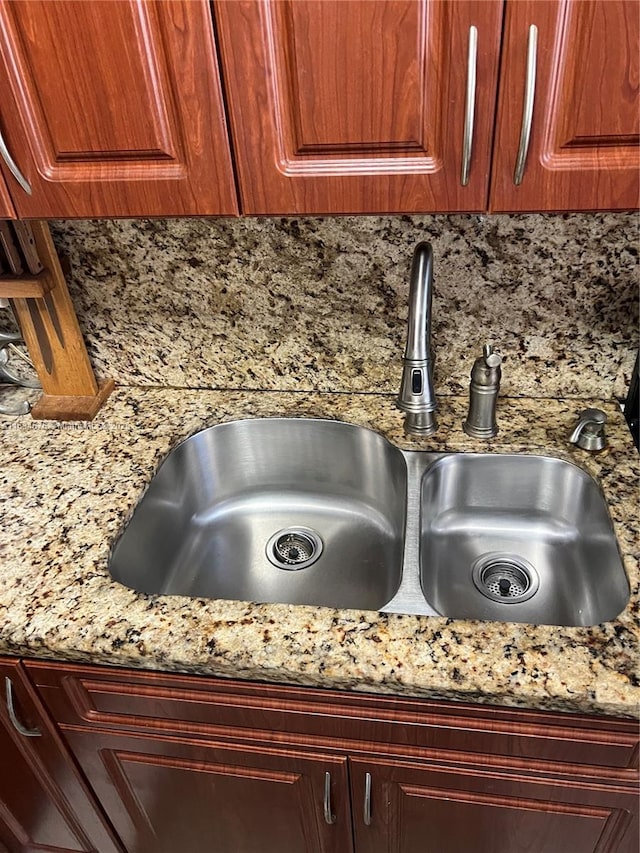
527	106
470	106
25	732
367	799
13	167
328	816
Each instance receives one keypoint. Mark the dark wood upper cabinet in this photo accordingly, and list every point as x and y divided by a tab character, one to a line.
344	106
334	106
585	132
44	805
113	109
350	106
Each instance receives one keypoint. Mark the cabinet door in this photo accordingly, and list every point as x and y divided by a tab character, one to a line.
113	108
43	803
445	809
584	148
353	106
166	795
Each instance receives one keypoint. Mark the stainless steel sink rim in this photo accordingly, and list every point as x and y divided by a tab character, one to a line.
326	468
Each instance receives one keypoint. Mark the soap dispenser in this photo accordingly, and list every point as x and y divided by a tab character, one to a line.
483	395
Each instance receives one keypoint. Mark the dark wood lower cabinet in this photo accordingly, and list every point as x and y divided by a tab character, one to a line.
44	804
187	764
166	796
416	808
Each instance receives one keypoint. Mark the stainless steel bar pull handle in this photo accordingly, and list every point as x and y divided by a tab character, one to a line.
25	732
470	106
527	106
367	799
13	167
328	816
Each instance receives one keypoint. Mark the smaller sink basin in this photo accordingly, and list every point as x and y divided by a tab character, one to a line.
283	510
518	539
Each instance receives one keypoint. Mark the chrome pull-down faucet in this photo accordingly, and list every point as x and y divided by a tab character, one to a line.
417	398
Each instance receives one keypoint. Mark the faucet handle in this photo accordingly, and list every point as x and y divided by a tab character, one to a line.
589	431
491	358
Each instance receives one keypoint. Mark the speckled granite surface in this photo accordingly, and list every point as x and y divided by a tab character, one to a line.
321	304
67	490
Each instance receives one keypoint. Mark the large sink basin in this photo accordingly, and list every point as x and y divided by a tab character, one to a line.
518	538
319	512
279	510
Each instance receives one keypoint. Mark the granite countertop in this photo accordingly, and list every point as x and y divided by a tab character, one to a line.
68	489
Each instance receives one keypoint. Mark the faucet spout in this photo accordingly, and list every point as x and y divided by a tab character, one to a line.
417	399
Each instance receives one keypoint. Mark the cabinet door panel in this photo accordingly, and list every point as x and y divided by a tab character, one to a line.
418	808
357	106
43	804
114	108
585	140
163	795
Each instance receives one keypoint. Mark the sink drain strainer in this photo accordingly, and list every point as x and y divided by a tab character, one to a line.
294	548
505	578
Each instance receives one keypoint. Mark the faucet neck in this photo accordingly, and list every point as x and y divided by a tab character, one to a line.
420	292
417	398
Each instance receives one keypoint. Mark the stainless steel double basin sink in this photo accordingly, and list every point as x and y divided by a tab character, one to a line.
326	513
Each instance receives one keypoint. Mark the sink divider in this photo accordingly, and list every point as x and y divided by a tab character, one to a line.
409	598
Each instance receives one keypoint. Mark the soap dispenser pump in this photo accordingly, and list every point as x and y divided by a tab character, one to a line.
483	395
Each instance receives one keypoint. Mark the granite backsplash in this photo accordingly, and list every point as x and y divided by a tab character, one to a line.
320	304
